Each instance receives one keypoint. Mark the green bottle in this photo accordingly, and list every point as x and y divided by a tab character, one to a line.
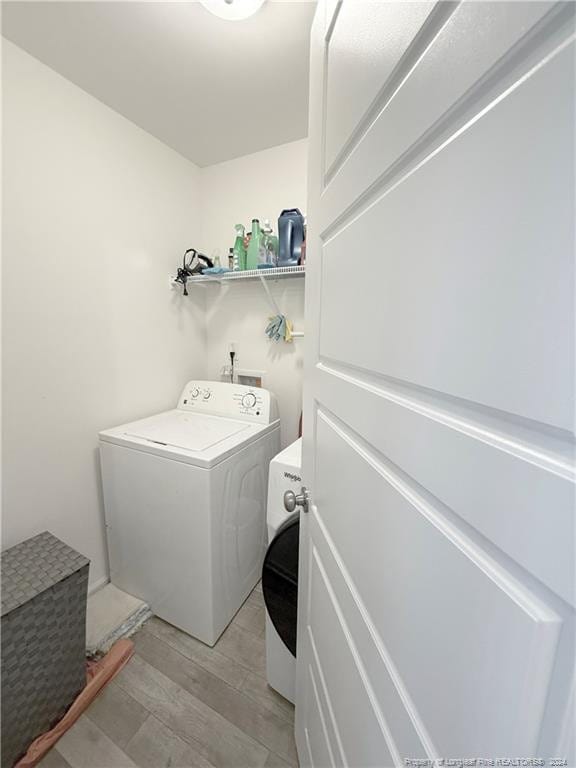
239	252
253	254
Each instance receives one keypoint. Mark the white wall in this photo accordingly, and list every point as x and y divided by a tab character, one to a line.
96	214
240	313
258	185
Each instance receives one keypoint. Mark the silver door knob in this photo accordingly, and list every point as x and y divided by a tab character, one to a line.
293	500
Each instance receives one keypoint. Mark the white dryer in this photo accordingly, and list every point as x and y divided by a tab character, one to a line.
185	503
280	572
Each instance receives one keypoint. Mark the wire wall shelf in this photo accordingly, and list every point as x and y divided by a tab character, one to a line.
247	274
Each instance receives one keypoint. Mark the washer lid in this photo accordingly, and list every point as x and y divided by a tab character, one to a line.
194	438
191	432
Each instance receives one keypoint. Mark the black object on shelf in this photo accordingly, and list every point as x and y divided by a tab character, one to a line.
191	265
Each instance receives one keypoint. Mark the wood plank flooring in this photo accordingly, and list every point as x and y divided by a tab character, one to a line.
180	704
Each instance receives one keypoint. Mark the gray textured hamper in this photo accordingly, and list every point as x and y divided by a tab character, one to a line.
44	591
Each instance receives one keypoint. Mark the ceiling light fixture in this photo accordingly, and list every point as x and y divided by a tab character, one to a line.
233	10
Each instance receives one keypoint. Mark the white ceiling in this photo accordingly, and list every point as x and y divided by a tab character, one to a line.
210	89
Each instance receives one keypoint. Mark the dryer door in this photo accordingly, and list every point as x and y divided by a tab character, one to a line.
280	580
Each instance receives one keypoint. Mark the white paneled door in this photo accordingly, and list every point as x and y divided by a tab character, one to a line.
436	615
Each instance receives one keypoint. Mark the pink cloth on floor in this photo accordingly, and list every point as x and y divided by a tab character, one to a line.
98	674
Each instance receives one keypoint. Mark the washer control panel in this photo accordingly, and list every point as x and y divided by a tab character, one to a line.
234	401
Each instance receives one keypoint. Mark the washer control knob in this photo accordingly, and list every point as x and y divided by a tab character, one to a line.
207	394
195	392
249	400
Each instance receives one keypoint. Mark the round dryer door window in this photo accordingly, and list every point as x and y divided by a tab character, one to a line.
280	580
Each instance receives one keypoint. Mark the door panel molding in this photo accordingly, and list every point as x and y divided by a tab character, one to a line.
329	717
434	511
412	737
477	448
332	10
504	54
510	301
527	440
351	672
325	747
425	19
517	612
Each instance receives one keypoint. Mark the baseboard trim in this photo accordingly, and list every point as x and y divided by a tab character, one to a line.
98	585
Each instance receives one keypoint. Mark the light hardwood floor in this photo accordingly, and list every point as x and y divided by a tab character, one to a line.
180	704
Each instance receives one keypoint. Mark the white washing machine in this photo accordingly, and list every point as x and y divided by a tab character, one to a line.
280	572
185	503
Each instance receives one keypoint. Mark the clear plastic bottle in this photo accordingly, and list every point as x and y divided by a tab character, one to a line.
270	242
239	252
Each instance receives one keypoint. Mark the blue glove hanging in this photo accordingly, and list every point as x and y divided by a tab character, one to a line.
279	328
